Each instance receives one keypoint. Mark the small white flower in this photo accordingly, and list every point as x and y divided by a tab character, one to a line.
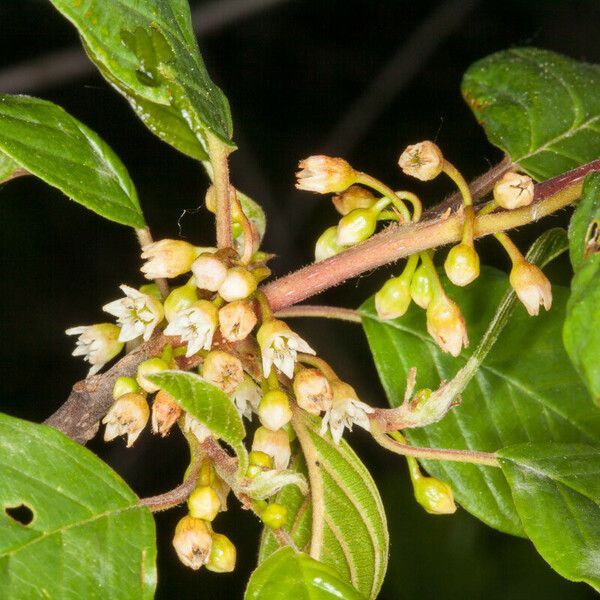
532	287
137	314
279	346
167	258
325	174
195	325
246	397
194	426
127	416
347	410
98	344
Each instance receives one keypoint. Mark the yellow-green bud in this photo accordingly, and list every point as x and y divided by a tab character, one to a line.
532	287
222	555
192	542
434	496
127	416
125	385
446	325
393	299
420	287
354	197
424	161
260	459
204	503
223	370
462	264
167	258
180	299
151	289
274	515
325	174
165	411
209	272
274	410
513	190
327	245
150	367
356	226
238	284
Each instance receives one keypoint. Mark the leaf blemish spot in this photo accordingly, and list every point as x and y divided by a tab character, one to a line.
21	513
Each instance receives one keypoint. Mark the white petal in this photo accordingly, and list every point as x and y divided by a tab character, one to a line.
76	330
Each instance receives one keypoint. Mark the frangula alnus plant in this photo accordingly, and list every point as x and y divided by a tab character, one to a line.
483	395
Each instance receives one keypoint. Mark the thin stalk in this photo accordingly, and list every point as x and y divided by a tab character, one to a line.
324	312
219	154
388	193
513	252
319	363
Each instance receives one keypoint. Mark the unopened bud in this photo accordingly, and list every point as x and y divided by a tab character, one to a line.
325	174
238	284
532	287
236	320
356	226
204	503
260	459
223	370
514	190
354	197
274	443
152	290
125	385
424	161
222	555
150	367
393	299
274	515
127	416
327	245
434	496
446	325
192	542
312	391
167	258
209	272
274	410
462	264
180	299
165	411
420	287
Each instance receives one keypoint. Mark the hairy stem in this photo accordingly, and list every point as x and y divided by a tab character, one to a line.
323	312
220	166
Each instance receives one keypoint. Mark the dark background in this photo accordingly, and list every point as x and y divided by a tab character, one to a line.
356	78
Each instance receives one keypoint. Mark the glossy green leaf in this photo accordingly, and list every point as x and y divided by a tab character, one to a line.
51	144
88	538
518	394
584	229
348	530
207	403
287	574
542	108
147	50
556	488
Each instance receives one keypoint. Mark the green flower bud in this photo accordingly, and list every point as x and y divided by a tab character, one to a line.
260	459
420	287
125	385
462	264
222	555
393	299
151	289
327	245
356	226
434	496
274	410
204	503
180	299
149	367
274	515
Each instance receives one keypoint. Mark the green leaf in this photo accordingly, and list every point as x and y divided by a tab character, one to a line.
51	144
556	488
288	574
517	395
88	537
347	530
8	168
542	108
584	229
147	50
207	403
581	333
